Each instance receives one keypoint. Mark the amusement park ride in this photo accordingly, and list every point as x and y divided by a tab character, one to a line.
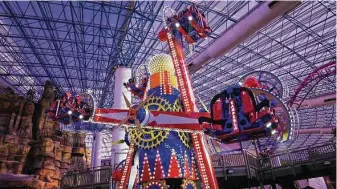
170	142
69	109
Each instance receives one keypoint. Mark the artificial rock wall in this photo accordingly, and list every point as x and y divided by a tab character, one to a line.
34	153
15	132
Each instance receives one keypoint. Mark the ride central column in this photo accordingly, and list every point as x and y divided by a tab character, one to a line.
119	151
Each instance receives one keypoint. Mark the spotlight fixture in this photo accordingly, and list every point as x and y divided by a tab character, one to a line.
70	112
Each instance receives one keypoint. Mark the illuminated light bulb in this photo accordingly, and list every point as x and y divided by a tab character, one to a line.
268	124
240	83
177	25
273	131
190	18
70	112
81	116
279	138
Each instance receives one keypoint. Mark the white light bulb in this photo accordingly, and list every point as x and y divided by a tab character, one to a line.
268	124
81	116
190	18
177	25
273	131
70	112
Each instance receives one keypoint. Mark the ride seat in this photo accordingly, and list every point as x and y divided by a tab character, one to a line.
249	102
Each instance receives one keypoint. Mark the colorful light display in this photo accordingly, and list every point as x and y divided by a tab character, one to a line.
169	136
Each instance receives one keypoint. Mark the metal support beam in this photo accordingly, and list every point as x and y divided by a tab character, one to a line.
247	26
315	131
23	32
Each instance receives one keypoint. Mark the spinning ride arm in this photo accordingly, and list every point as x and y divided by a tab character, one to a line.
207	174
152	119
184	82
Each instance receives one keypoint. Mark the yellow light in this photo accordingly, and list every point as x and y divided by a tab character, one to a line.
161	63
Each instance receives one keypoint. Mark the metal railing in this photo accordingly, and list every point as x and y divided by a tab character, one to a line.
87	177
303	155
231	160
286	158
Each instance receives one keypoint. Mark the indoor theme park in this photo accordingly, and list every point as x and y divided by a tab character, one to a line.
168	94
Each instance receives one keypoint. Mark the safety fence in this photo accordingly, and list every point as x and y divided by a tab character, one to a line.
89	177
300	156
230	160
285	158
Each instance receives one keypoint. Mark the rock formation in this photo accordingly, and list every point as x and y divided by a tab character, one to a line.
78	155
15	132
42	125
34	152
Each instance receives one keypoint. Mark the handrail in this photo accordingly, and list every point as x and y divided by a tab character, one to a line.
304	155
305	147
87	177
286	158
231	160
88	169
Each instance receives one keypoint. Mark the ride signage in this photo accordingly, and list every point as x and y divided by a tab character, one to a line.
234	116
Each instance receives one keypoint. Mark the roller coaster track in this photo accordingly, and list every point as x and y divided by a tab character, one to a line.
315	77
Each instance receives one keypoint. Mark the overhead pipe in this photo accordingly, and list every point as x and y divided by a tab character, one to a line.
315	131
324	100
252	22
